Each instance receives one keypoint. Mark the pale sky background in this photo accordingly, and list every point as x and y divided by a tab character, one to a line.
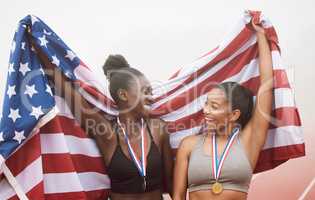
158	37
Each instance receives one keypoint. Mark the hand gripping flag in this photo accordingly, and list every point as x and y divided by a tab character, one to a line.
46	155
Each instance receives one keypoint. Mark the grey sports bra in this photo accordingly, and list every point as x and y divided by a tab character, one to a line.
236	171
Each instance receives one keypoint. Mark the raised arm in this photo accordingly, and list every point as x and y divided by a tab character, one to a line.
259	123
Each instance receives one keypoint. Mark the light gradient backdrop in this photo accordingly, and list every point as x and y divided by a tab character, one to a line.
158	37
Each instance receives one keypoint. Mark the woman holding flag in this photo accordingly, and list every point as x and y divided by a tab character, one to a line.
219	163
135	147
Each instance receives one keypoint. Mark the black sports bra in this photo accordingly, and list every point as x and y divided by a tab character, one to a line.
124	175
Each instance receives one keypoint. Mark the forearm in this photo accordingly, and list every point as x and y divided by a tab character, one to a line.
265	62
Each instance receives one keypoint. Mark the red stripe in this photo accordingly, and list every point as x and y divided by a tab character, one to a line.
37	192
286	116
210	52
174	75
97	195
236	44
62	163
62	124
230	69
271	158
18	161
280	81
100	97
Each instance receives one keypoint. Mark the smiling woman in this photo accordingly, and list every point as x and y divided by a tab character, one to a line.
135	147
231	140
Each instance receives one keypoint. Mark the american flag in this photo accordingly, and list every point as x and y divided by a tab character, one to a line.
46	155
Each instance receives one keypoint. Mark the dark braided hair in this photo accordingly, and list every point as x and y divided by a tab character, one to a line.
240	98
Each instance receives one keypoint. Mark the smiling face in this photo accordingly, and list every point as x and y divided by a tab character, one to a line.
139	97
136	97
217	111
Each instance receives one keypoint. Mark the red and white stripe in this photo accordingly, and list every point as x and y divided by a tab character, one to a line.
61	162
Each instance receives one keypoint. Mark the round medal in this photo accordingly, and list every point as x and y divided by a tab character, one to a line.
217	188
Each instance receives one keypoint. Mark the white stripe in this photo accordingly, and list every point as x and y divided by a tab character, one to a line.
284	97
1	161
27	179
94	181
209	73
60	143
228	38
279	137
90	78
284	136
98	103
75	182
247	72
252	69
6	190
307	189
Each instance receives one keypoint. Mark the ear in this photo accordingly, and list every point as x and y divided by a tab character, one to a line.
235	115
122	95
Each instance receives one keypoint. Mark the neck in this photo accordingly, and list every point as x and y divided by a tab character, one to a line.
130	124
225	132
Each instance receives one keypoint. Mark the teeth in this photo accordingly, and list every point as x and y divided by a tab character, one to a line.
147	107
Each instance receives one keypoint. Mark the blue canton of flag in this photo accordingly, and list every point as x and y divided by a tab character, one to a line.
28	96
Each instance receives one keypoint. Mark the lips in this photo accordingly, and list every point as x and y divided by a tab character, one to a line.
209	119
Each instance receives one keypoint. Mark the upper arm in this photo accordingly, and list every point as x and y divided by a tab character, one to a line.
167	156
181	167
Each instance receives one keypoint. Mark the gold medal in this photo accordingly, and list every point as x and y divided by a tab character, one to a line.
217	188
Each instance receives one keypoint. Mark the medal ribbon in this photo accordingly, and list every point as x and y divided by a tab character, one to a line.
217	164
142	162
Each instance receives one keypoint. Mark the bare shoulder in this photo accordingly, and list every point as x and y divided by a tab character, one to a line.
188	143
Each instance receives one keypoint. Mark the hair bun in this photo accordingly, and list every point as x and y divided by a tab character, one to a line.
115	62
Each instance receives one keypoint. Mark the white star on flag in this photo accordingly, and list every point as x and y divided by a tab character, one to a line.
48	90
42	71
11	91
30	90
1	137
23	45
13	46
34	19
43	41
24	68
55	60
14	114
11	68
19	136
70	55
47	33
37	111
